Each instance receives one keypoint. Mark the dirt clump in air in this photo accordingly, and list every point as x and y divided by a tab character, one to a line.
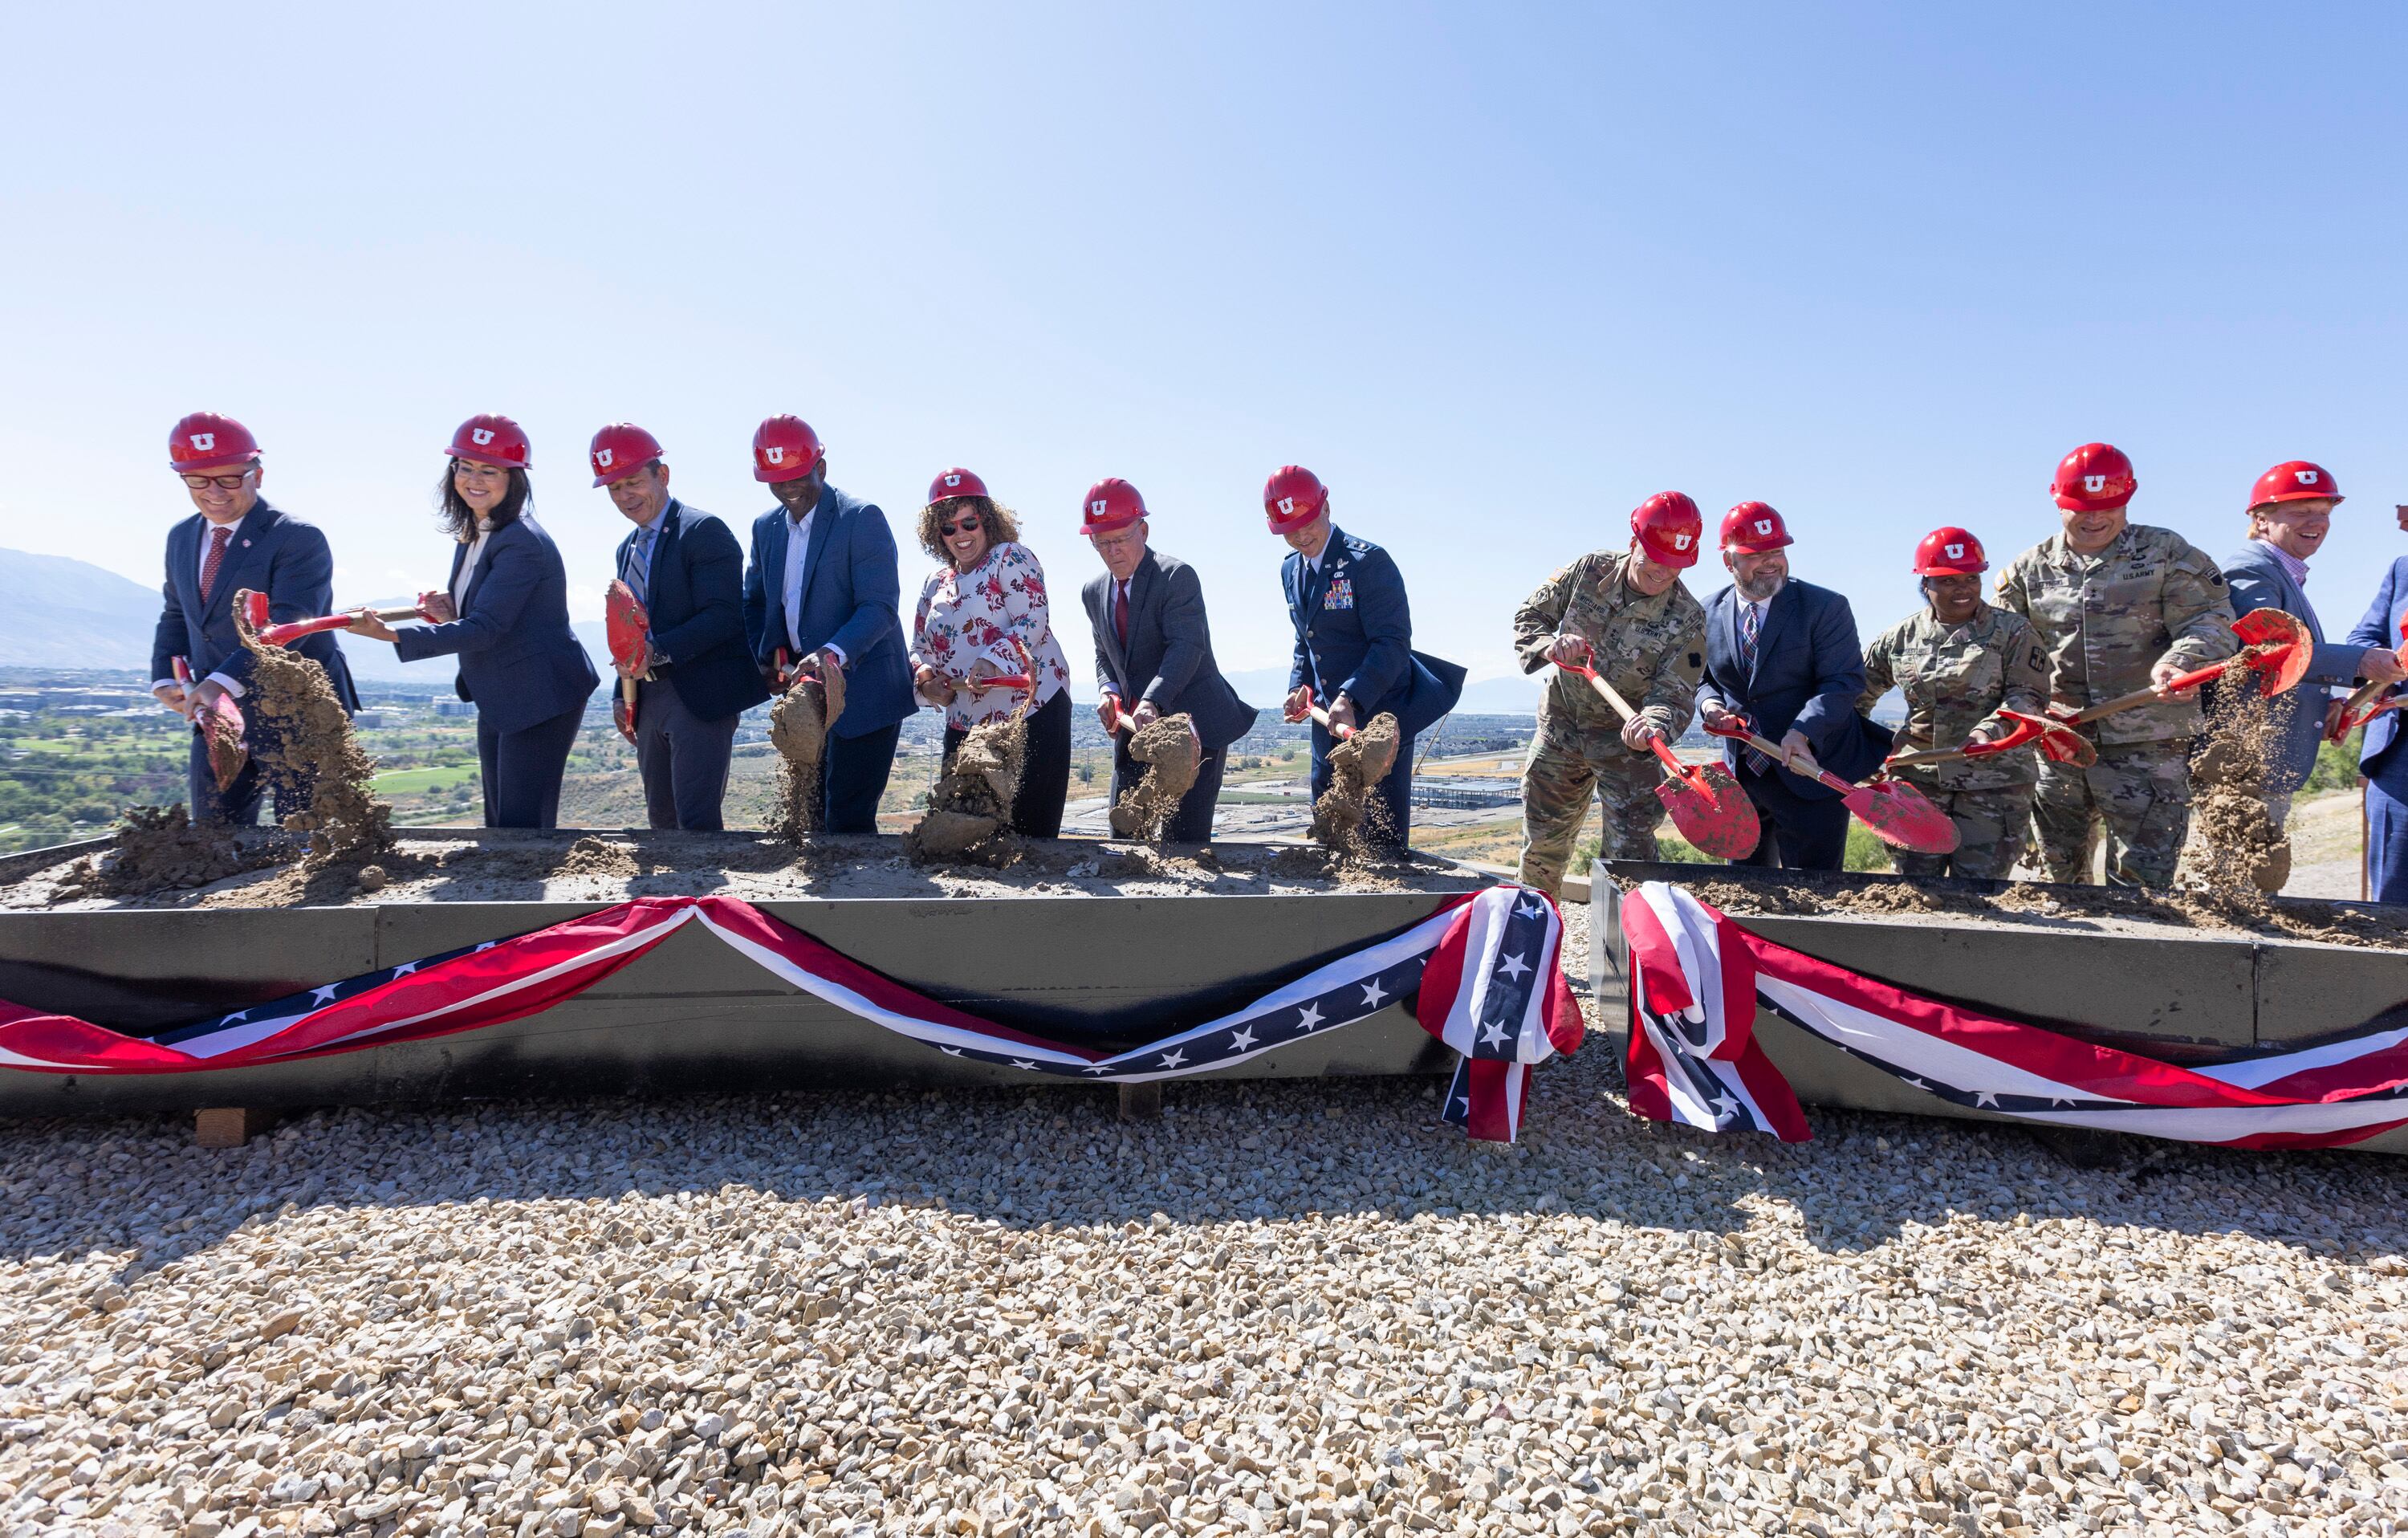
160	849
309	756
1357	766
968	820
1168	749
800	723
2237	857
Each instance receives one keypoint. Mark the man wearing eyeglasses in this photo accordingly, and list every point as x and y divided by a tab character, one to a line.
1153	654
235	541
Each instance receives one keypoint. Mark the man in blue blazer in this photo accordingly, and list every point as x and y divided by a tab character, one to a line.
1783	655
235	541
689	572
1153	654
824	585
2290	512
1353	645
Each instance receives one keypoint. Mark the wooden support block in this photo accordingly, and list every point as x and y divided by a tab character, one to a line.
1141	1101
230	1126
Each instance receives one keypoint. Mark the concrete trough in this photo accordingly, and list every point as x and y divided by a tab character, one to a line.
692	1015
2182	995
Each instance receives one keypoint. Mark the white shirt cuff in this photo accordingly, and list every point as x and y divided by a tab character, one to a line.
837	652
159	683
226	684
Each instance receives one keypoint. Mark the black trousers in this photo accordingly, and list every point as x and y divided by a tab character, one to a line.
1798	834
522	770
1044	773
682	759
1192	822
853	779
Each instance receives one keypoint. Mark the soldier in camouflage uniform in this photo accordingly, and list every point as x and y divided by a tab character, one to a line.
1958	662
2120	606
1629	615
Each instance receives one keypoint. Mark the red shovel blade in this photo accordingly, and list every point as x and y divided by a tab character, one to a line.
1709	808
2283	645
624	623
1902	816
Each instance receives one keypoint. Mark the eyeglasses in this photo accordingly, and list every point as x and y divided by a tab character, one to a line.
966	523
224	483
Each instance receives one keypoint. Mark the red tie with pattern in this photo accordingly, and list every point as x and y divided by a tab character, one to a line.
1120	611
215	558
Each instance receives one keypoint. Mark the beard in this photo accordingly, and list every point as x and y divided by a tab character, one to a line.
1761	587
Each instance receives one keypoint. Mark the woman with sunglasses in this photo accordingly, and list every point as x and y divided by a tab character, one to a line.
506	617
988	594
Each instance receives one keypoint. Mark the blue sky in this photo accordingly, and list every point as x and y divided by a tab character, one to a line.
1497	273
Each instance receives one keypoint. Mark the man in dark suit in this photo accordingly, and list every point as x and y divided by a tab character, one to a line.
824	585
1154	653
1782	656
1353	645
2382	759
688	571
235	541
2290	512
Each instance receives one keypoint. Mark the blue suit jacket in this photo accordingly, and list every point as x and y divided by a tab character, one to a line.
275	554
519	660
2258	580
851	590
696	599
1355	633
1168	658
2381	628
1809	671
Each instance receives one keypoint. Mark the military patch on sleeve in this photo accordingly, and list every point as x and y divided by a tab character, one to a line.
1696	659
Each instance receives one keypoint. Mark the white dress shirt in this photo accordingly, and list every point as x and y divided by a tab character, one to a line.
468	567
799	550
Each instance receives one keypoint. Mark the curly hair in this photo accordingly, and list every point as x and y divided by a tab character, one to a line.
1001	525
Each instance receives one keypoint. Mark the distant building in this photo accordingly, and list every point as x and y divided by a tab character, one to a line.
455	707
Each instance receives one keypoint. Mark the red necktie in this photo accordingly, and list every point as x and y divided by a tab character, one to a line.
215	558
1120	611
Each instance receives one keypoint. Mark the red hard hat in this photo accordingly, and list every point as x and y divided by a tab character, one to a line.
2094	478
620	449
1668	527
785	448
1293	497
1753	528
956	481
1950	552
207	441
1111	504
2294	480
490	440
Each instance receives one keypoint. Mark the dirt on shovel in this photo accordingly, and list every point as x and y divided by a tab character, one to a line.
1167	749
799	723
306	751
1338	817
968	820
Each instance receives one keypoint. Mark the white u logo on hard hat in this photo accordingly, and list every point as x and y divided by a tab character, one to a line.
1681	541
602	458
1956	552
2094	484
2307	478
1764	525
1096	509
953	481
205	441
482	436
776	455
1287	505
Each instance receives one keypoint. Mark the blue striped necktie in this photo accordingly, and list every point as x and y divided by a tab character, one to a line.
639	564
1749	624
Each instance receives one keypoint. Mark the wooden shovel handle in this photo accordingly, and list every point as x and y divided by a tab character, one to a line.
2155	694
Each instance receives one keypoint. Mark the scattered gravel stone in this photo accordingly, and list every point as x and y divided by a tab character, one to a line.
1296	1307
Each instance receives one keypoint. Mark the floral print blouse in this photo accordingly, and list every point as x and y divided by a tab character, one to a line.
966	615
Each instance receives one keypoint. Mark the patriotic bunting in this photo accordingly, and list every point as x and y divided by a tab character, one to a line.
1473	971
1697	978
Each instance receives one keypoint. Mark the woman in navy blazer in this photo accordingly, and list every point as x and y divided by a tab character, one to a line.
506	618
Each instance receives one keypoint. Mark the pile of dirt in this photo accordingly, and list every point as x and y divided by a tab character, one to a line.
968	820
1338	817
2237	857
306	750
592	856
159	849
1173	755
798	729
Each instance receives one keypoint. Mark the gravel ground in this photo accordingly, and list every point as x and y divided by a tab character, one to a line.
1281	1307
